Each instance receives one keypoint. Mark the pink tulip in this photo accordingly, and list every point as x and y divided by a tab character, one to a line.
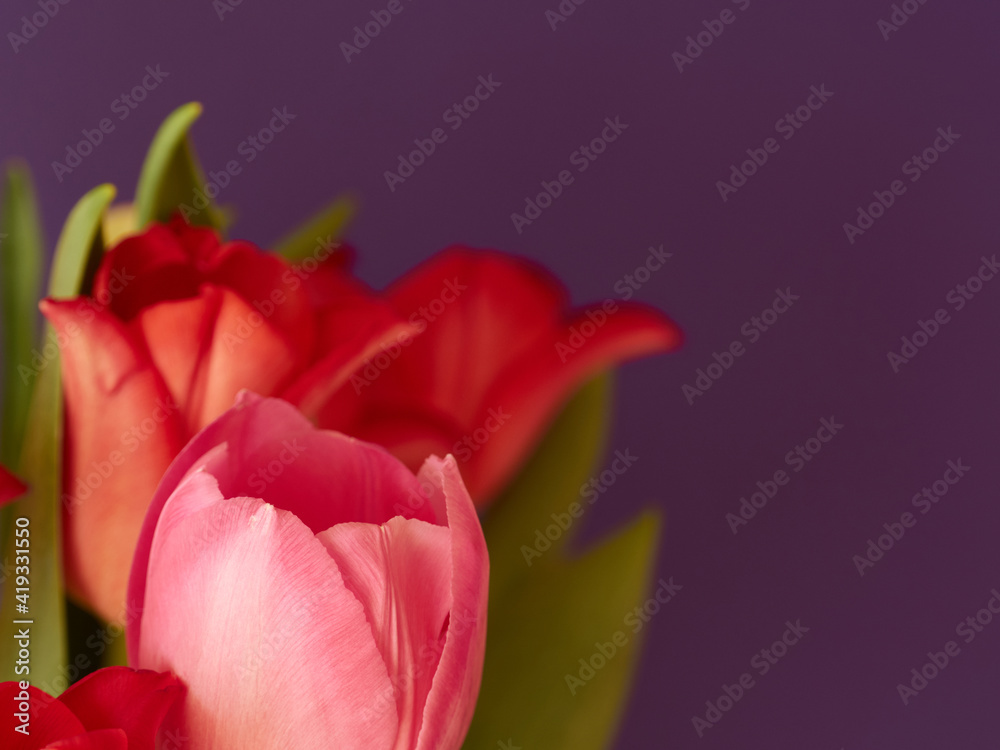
178	323
309	590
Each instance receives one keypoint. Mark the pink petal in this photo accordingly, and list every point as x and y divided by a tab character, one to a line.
452	699
244	604
272	452
401	573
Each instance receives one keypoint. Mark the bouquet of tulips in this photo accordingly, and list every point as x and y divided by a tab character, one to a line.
250	502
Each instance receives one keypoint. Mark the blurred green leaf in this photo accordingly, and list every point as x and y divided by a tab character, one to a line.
545	617
77	254
81	245
21	254
172	177
321	230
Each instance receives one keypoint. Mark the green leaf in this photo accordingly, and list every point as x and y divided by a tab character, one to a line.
545	617
21	254
172	176
77	254
81	245
321	230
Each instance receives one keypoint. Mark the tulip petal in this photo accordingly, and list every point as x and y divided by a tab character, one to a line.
265	282
11	488
169	263
143	270
401	574
536	389
207	350
452	699
50	720
102	739
135	701
354	326
498	340
122	432
293	662
273	453
491	310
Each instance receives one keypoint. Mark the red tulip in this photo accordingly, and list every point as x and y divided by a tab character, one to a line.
177	324
112	709
310	591
499	354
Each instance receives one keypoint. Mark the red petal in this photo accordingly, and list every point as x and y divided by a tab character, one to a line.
103	739
50	720
497	346
122	433
268	285
354	326
171	262
135	701
536	389
11	488
145	269
208	349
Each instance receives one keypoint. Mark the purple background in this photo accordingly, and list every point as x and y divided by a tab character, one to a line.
826	356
